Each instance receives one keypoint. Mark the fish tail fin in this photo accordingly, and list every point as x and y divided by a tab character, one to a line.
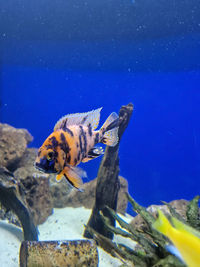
109	130
162	224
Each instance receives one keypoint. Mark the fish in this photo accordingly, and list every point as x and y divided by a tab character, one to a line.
74	140
185	239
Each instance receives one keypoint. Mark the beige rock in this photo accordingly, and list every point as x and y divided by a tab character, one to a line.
75	198
59	191
13	143
28	158
38	198
180	207
15	155
36	187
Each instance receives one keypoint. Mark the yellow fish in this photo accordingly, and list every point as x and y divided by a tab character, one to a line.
185	239
73	141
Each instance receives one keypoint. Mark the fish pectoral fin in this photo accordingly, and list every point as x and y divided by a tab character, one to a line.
94	153
74	176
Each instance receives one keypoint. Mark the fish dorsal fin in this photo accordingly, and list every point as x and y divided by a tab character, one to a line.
91	117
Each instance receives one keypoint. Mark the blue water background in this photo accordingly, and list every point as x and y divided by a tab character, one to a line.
42	80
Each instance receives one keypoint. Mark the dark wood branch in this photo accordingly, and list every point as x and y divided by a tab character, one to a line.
10	199
107	181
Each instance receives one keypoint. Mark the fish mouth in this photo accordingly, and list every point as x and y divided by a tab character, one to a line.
42	168
38	167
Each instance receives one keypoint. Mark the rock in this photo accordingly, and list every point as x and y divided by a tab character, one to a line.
180	207
59	192
62	197
19	159
38	198
35	186
13	143
28	158
26	166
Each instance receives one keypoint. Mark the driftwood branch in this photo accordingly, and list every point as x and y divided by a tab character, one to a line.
107	181
10	199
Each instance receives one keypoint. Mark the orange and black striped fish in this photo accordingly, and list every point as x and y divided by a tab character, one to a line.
73	141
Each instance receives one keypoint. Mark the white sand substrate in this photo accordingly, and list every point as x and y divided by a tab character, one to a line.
63	224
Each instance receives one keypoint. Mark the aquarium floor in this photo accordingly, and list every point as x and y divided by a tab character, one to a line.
63	224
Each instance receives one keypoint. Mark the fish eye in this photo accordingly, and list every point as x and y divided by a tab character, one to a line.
50	156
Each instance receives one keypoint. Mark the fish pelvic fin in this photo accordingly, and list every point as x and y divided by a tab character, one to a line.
162	224
109	130
74	176
93	153
59	176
